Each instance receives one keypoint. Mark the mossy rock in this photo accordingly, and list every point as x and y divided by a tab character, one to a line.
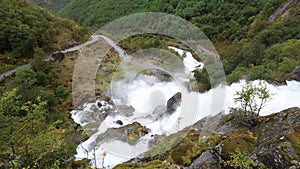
294	138
150	165
187	150
241	139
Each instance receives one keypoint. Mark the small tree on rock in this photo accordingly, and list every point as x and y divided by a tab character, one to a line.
251	99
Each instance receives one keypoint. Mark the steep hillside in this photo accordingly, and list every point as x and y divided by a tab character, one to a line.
245	33
25	27
52	5
212	16
97	13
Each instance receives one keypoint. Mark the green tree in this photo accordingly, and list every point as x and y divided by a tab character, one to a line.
251	99
9	117
38	63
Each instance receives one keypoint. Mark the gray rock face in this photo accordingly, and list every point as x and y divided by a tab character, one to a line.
274	148
125	110
174	102
212	124
208	159
294	75
129	133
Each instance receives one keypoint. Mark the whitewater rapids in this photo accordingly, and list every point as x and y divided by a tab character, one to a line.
147	92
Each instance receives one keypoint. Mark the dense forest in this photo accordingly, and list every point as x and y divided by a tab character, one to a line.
52	5
35	125
244	35
26	27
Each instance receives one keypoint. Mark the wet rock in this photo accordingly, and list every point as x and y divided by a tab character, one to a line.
294	75
174	102
99	104
129	133
125	110
119	122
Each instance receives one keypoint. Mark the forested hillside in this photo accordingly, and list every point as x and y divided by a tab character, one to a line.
244	35
25	27
253	40
52	5
35	127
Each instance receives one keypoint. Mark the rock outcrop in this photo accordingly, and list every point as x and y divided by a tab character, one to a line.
129	133
125	110
208	159
273	142
294	75
278	140
174	102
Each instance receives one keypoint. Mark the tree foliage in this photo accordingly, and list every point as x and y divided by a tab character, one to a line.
25	27
250	99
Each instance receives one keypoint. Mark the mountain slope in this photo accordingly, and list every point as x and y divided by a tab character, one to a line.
242	32
97	13
25	27
212	16
52	5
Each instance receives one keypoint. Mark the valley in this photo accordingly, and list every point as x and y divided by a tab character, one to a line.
149	84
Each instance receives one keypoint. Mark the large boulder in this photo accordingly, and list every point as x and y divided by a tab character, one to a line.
294	75
174	102
129	133
278	139
208	159
125	110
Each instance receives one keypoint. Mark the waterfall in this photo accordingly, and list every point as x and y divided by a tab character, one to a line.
146	94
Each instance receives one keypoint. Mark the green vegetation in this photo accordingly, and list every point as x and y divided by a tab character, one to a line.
239	160
251	99
294	138
214	17
35	128
244	140
150	165
249	44
53	5
25	27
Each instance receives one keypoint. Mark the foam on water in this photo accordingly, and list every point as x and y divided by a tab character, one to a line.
145	93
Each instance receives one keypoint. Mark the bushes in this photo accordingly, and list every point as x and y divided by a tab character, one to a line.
251	99
240	161
25	27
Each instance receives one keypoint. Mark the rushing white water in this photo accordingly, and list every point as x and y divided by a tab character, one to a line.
145	93
189	61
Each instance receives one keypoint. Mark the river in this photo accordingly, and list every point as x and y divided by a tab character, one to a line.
146	92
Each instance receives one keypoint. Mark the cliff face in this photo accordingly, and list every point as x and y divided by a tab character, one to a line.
279	139
273	143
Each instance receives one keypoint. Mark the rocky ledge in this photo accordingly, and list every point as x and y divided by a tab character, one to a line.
273	143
